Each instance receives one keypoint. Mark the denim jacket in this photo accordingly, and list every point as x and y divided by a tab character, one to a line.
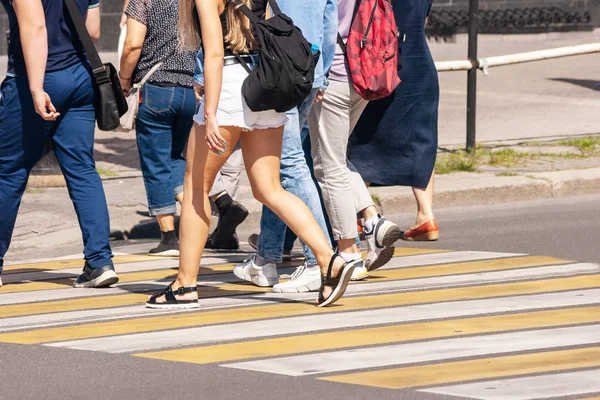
317	19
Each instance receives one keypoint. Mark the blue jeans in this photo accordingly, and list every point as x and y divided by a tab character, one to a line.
163	126
297	179
23	135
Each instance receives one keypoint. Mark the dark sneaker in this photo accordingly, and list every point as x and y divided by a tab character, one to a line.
253	240
228	223
230	243
96	277
165	249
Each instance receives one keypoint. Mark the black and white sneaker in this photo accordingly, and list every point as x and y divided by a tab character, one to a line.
380	243
166	248
96	277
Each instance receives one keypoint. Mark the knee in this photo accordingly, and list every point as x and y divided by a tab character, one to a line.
266	193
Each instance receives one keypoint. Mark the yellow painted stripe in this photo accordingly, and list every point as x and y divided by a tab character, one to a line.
65	264
130	258
483	368
149	324
465	267
381	276
91	303
376	336
162	274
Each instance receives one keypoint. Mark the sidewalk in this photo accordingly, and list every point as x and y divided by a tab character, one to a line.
499	174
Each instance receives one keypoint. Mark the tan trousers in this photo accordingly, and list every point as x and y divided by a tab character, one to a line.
331	122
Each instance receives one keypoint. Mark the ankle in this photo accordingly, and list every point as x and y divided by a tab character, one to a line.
423	217
169	236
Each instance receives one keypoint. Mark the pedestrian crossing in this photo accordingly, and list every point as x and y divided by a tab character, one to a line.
469	324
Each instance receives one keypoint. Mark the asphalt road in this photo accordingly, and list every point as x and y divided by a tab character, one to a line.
564	228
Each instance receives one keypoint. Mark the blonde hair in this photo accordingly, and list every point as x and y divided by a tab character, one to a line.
239	35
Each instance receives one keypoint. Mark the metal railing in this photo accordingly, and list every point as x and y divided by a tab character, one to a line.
473	64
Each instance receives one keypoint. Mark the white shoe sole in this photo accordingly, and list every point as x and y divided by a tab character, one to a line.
105	280
360	277
390	236
339	290
185	306
384	256
260	281
311	287
168	253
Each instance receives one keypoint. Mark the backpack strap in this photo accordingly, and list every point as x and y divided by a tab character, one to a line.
341	43
239	5
275	7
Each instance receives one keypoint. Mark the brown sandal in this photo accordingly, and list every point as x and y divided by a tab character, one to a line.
338	283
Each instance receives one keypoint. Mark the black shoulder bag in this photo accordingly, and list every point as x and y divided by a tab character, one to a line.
285	72
111	103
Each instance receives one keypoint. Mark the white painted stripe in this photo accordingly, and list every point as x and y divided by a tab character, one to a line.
106	314
434	350
314	323
150	265
421	260
362	288
535	387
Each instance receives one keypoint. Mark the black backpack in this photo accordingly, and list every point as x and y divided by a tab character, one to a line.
284	75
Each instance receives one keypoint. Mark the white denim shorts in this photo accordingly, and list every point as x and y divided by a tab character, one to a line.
233	110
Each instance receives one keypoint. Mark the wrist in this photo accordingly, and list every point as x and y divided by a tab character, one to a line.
123	78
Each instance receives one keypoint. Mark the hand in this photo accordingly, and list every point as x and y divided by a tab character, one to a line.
123	21
320	95
199	91
213	137
125	84
43	105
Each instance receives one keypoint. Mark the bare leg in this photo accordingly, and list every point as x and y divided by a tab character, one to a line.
424	199
262	151
202	167
166	222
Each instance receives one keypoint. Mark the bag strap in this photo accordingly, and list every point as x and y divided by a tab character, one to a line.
85	39
341	43
239	5
243	63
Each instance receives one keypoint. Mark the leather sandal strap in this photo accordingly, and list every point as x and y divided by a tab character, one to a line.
184	290
330	268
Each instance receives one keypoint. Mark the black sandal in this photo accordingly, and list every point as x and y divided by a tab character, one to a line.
338	284
171	301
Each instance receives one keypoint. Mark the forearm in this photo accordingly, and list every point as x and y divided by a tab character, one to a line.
129	59
213	78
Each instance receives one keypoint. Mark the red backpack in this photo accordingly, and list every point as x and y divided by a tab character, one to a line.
372	49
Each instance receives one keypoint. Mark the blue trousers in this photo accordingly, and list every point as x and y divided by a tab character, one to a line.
297	179
23	135
163	127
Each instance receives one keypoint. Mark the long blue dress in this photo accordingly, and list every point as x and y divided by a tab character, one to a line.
395	140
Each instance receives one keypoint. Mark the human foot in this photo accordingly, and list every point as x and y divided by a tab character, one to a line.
429	231
334	280
179	298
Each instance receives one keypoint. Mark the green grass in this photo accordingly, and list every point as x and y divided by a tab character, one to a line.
507	174
376	200
106	172
458	161
585	145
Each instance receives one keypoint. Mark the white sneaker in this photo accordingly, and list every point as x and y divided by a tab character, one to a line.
303	280
0	281
380	243
260	276
360	271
